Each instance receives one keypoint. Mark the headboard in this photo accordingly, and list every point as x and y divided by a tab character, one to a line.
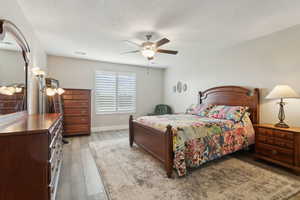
233	96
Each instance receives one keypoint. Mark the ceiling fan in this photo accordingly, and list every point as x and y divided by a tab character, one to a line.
148	49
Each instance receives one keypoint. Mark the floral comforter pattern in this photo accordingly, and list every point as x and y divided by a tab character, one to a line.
199	139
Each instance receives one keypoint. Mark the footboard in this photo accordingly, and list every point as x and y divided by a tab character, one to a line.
158	143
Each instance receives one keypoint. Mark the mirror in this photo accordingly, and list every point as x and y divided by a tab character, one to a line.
13	69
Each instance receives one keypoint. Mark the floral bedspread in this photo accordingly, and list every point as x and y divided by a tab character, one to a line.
199	139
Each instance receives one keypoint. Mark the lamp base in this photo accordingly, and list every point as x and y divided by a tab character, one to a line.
281	125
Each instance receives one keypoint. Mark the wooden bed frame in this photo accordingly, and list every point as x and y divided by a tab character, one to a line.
160	144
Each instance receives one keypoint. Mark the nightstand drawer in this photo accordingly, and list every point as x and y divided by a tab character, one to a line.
278	145
265	131
284	135
283	143
274	152
265	139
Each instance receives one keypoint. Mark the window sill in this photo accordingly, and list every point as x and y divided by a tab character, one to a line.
117	113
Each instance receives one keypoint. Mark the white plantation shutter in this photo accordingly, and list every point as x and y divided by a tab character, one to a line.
105	92
115	92
126	92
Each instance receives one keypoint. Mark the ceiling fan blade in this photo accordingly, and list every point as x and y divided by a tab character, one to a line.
127	52
162	42
132	43
167	51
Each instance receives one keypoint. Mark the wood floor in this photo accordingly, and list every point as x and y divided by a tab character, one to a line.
80	179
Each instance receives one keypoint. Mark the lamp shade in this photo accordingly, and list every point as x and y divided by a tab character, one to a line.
282	92
50	92
38	72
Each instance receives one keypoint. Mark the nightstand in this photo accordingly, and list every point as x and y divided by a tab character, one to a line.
278	145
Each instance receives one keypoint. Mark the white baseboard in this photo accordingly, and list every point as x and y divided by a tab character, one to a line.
110	128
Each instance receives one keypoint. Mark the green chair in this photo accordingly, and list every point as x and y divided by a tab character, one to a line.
161	109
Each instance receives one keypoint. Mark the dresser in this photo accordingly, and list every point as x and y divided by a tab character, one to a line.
11	103
278	145
77	112
31	157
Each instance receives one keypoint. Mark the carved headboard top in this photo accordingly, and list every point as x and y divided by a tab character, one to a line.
233	96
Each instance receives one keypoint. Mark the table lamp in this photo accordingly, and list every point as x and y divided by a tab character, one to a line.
282	92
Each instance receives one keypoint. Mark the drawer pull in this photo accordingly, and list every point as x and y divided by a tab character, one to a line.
274	152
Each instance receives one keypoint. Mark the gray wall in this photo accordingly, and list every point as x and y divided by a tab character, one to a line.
79	73
262	63
11	67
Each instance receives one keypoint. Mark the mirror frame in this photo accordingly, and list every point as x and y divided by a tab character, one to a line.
7	26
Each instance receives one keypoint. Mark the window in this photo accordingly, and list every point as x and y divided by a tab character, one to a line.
115	92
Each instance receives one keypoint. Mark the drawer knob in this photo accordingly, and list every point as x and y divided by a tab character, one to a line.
274	152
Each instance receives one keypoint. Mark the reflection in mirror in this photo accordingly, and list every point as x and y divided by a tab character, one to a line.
12	76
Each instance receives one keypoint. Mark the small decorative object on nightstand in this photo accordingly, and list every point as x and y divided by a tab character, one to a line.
278	145
282	92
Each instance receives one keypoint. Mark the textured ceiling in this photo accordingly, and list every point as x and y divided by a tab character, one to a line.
99	27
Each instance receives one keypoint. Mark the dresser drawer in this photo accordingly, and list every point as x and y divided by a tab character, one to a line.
76	104
55	126
55	147
7	111
55	130
76	92
55	176
11	104
76	112
274	152
76	128
76	120
76	97
18	96
55	161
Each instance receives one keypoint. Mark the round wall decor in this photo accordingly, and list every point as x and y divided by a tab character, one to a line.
174	89
179	87
184	87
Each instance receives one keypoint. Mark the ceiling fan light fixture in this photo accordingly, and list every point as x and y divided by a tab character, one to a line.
148	51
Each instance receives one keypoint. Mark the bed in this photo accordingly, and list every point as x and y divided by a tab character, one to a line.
184	141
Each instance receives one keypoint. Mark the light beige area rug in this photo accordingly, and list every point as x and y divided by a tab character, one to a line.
131	174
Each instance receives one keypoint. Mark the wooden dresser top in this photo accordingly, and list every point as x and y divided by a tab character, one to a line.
30	124
271	126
